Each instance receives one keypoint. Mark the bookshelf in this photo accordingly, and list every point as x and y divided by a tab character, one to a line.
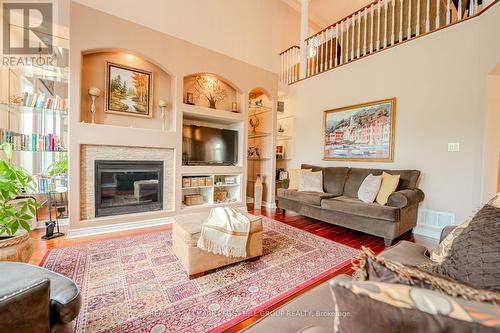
34	117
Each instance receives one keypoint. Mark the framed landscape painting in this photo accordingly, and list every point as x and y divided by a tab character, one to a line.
363	132
128	91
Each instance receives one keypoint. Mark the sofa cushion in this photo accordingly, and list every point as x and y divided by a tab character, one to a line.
333	178
403	308
293	178
389	185
408	179
311	181
311	198
357	207
369	188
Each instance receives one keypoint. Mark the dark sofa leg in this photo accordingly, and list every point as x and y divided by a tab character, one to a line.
283	211
388	241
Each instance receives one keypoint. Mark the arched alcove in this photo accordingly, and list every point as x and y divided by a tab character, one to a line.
211	91
131	88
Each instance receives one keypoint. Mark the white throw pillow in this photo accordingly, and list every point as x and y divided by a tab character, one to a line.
369	188
311	181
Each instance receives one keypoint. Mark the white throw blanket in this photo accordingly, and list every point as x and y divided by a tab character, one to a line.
225	232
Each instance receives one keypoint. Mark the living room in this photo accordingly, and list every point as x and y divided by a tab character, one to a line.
259	165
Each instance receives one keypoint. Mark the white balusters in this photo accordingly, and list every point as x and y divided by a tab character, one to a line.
378	25
359	34
401	20
438	14
347	42
316	47
409	20
459	15
342	42
336	44
393	28
385	23
371	29
428	16
417	28
448	12
322	48
353	22
366	33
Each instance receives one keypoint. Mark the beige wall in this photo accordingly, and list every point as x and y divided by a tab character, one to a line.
92	30
254	31
439	85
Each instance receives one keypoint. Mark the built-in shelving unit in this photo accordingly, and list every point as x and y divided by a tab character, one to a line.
285	122
210	190
260	144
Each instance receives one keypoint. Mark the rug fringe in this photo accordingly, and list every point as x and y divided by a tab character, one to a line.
207	245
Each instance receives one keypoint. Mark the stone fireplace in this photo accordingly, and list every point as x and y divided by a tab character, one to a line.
119	180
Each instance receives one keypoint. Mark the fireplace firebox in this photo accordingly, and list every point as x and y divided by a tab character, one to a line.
125	187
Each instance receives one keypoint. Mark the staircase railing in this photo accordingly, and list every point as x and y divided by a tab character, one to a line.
377	26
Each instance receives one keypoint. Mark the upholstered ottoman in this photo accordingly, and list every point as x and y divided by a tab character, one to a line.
186	232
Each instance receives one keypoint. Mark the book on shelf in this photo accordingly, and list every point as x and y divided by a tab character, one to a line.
41	101
31	142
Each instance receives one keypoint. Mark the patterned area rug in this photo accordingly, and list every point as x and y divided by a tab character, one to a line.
136	284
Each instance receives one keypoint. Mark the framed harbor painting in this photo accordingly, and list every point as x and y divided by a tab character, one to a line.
129	91
363	132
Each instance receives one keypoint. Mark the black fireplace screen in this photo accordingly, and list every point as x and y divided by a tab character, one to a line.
124	187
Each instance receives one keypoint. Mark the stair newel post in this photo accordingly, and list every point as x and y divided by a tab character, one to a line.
428	16
365	32
371	28
353	22
359	34
393	19
378	24
438	14
409	20
336	44
448	12
401	20
417	27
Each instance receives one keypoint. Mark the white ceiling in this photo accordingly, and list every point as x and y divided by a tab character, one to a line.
322	13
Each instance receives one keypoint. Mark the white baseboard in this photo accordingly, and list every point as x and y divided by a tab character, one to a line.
81	232
430	222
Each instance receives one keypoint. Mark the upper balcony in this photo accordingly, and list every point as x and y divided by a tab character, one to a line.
378	26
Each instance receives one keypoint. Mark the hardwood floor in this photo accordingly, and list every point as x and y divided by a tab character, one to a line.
342	235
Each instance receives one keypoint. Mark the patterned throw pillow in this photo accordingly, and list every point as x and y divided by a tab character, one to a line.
389	185
495	202
311	181
293	178
369	267
369	188
403	308
474	255
445	245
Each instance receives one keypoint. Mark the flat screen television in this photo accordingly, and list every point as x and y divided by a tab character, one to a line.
209	146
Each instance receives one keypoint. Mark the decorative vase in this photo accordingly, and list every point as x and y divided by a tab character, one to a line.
257	193
16	248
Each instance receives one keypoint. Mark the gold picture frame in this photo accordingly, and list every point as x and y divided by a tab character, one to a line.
128	99
362	132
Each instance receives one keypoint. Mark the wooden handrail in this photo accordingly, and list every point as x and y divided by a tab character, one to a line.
291	47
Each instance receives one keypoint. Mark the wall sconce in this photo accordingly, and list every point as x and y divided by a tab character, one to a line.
164	116
93	93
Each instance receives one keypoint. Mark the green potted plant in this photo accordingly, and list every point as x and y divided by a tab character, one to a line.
15	215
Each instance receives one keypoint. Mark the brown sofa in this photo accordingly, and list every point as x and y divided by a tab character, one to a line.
321	311
339	203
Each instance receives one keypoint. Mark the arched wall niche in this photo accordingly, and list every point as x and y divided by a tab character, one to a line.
199	87
94	74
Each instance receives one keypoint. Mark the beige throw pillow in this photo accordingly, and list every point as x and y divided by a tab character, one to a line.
389	185
311	181
293	178
369	188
